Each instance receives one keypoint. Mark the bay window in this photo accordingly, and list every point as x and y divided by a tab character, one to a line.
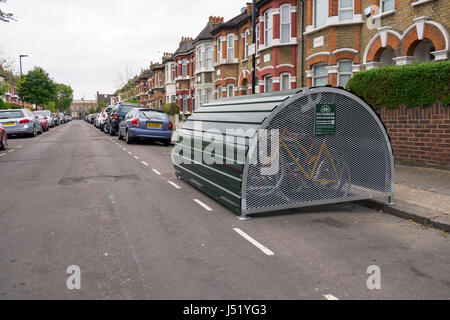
387	5
209	58
344	72
184	68
230	47
320	72
345	10
246	38
268	84
285	80
285	23
268	28
230	90
320	12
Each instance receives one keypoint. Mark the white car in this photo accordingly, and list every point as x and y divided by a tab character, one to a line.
102	118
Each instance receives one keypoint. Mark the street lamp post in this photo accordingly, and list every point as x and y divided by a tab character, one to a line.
20	60
254	44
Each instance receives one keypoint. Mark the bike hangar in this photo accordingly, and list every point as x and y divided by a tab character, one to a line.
330	147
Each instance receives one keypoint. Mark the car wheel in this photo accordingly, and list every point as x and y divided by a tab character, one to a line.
111	131
119	135
34	133
3	142
128	139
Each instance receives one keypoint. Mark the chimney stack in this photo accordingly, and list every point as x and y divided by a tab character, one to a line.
249	8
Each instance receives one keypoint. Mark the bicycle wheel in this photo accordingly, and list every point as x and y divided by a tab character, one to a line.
332	176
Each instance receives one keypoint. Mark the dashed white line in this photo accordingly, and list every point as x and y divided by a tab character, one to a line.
130	153
137	158
10	151
330	297
1	155
203	205
19	147
124	149
174	184
254	242
144	163
157	172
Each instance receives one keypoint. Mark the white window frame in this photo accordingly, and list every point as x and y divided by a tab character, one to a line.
230	86
269	76
199	58
288	23
314	77
268	31
184	68
209	57
160	79
199	100
173	72
346	9
288	83
219	50
219	92
230	47
350	73
184	100
258	36
246	40
315	11
382	8
208	95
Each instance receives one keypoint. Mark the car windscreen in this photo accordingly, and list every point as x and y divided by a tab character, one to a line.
153	115
11	114
40	115
125	109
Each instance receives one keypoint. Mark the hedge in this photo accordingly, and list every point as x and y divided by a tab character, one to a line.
416	85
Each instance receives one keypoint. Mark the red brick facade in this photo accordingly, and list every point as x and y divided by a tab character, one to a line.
419	135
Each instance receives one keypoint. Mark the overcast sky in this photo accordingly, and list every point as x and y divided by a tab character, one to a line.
86	43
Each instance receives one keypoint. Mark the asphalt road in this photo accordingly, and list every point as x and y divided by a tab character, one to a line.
76	197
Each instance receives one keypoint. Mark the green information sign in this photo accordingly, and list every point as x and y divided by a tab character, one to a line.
325	121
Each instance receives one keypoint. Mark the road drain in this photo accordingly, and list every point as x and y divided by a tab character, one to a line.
98	179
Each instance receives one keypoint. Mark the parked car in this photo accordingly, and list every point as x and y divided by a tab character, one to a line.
62	119
102	118
149	124
20	122
117	115
55	119
48	116
3	138
43	120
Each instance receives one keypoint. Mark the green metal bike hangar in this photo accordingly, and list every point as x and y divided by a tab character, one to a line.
284	150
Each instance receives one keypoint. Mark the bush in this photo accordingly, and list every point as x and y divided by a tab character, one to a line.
416	85
4	105
171	108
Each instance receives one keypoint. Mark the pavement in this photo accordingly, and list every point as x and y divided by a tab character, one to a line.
77	197
422	195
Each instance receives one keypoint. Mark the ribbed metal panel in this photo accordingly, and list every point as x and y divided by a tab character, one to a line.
355	162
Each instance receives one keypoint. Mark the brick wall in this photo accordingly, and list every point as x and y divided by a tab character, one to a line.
419	135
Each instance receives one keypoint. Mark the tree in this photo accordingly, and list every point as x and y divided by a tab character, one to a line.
63	97
101	105
36	87
6	17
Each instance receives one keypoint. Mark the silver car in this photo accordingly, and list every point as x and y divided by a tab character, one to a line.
48	115
20	122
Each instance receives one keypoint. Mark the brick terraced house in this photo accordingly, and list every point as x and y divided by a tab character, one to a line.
184	58
343	37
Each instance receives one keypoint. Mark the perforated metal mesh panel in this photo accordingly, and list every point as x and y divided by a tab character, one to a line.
354	163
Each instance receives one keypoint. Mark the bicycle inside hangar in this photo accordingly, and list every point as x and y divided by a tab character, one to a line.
275	151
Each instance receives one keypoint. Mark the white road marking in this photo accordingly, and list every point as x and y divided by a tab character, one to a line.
174	184
330	297
203	205
130	153
144	163
1	155
124	149
19	147
137	158
10	151
254	242
157	172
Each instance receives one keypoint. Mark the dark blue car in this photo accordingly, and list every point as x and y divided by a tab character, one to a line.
148	124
